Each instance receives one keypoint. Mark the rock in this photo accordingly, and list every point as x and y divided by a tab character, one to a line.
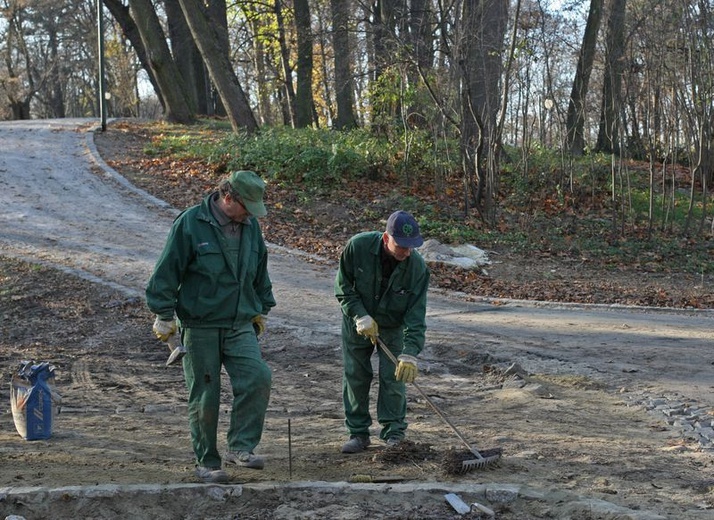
465	256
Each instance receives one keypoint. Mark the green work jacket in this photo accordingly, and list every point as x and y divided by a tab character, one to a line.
402	306
198	278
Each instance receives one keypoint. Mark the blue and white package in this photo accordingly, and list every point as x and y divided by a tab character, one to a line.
34	400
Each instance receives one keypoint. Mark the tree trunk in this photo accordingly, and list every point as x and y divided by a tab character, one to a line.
344	83
420	34
188	60
384	25
263	84
608	134
56	96
217	13
419	40
20	109
219	67
18	93
575	119
304	102
289	93
178	108
483	30
121	14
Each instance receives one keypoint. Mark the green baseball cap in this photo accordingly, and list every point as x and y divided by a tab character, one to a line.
251	188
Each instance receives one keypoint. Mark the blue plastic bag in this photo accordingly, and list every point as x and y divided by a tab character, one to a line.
34	400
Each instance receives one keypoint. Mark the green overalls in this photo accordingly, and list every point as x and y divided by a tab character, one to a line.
215	284
400	312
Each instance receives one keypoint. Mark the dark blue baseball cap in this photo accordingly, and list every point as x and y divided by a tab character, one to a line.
404	229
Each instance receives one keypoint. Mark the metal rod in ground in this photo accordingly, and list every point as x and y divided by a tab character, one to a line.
290	452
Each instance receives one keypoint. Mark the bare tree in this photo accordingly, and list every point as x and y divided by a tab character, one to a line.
304	102
178	107
288	98
608	134
188	59
384	22
344	87
256	52
17	81
219	67
575	119
482	33
122	16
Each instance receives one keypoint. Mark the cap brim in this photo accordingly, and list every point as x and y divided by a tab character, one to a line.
255	208
411	242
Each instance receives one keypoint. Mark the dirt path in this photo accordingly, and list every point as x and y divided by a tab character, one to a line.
575	421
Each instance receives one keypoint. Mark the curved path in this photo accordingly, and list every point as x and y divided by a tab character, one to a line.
63	206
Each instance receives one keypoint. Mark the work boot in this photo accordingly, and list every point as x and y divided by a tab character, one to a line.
356	444
393	441
245	459
211	475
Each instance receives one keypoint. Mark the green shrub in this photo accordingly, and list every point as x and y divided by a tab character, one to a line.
546	201
317	158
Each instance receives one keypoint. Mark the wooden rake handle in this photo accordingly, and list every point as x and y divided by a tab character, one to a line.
394	360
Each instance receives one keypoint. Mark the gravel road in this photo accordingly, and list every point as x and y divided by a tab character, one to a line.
63	207
57	211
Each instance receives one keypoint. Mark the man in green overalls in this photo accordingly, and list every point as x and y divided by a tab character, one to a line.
211	285
381	285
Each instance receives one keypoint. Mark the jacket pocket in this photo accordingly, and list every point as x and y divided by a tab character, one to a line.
398	300
209	259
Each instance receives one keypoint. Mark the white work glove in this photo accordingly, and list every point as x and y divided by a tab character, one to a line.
164	329
367	327
259	324
406	369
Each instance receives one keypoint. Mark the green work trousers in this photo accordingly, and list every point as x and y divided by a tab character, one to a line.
357	379
250	377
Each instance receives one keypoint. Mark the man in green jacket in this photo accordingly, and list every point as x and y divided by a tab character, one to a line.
381	285
211	286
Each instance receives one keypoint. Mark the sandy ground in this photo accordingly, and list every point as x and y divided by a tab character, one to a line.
77	248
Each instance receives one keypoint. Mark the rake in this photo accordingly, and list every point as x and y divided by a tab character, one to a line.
482	460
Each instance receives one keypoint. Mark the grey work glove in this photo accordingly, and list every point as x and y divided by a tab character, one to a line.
367	327
406	369
164	329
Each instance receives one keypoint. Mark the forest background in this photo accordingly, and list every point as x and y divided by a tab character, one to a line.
577	130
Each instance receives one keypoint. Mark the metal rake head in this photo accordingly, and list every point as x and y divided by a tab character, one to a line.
482	463
460	463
